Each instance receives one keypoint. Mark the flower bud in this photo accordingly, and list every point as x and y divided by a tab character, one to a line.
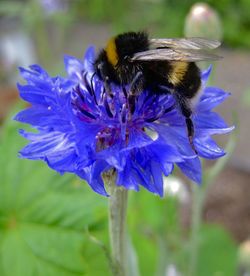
203	21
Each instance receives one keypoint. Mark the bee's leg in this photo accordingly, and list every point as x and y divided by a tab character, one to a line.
186	112
135	88
105	79
136	84
190	129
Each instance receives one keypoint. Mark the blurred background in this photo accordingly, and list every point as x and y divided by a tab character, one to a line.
54	225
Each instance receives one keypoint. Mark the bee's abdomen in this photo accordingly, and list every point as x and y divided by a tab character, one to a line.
185	77
177	72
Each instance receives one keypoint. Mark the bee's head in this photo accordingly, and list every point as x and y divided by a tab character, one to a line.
104	68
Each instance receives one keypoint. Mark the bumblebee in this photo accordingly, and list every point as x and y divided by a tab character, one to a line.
163	65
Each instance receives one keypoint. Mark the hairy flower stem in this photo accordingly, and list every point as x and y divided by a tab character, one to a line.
117	227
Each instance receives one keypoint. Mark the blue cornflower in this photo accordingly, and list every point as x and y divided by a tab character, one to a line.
81	129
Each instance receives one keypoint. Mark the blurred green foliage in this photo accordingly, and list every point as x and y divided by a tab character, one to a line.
167	17
160	239
245	100
162	18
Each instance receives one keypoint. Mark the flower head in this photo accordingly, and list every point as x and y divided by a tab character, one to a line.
83	130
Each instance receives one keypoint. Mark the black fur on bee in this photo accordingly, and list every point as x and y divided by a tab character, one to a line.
133	58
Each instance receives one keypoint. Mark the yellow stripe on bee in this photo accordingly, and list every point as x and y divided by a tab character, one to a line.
112	52
178	72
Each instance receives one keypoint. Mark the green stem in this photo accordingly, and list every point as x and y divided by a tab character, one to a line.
197	205
117	227
199	195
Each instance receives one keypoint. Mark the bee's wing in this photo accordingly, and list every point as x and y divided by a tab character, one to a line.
174	55
195	43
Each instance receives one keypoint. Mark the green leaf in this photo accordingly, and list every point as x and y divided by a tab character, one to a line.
217	253
44	217
31	252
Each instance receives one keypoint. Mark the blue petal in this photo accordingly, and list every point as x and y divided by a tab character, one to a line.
164	153
39	116
137	173
207	148
211	98
167	168
89	59
62	161
35	95
157	178
85	136
37	68
74	67
138	139
173	118
128	177
192	169
205	74
43	144
113	156
35	75
92	175
209	120
176	137
214	131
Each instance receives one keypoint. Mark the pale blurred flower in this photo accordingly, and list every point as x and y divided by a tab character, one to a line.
172	271
174	186
244	258
53	6
15	48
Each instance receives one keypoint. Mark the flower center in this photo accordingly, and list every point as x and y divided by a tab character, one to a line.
105	138
114	112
